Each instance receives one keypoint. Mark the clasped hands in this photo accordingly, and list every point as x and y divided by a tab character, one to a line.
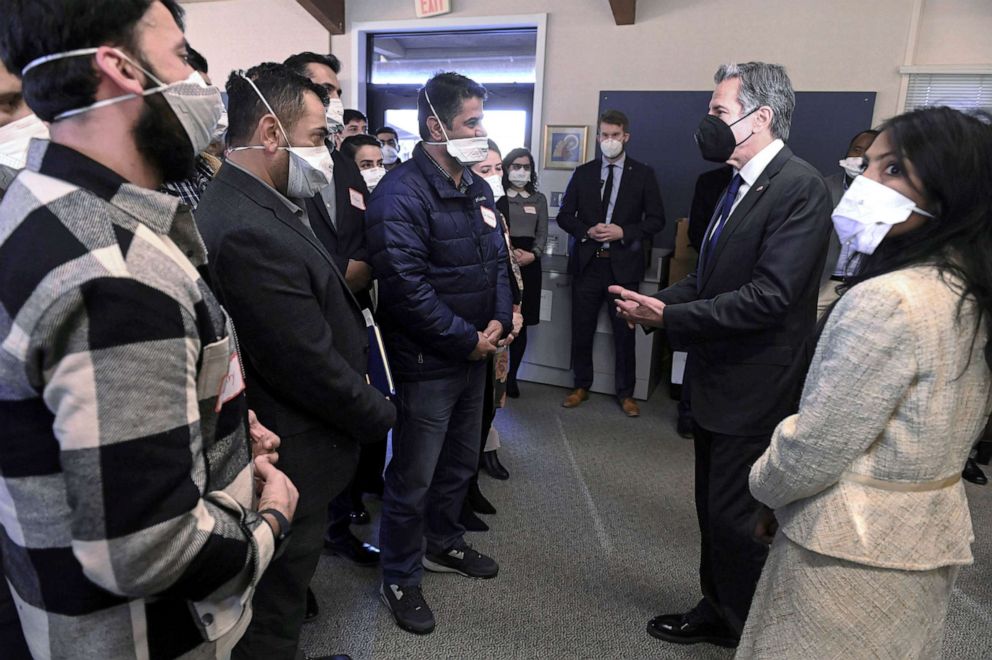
273	487
605	233
636	308
488	341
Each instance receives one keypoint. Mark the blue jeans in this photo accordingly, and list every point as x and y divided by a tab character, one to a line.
435	453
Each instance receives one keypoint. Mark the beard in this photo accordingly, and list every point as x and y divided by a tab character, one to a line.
162	140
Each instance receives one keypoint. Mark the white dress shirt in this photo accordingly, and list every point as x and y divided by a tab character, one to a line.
749	174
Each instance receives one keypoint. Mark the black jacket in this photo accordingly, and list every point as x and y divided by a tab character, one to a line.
301	330
748	321
345	238
639	210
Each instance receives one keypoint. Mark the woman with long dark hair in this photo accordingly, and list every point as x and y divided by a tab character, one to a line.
865	480
526	211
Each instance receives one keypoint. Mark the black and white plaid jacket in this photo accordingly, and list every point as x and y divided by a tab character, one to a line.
126	523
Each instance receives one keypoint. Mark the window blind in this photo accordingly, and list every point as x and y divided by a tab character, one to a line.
961	91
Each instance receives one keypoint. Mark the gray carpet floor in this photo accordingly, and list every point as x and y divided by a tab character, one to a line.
595	535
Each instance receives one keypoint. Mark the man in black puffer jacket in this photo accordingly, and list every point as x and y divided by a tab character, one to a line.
439	255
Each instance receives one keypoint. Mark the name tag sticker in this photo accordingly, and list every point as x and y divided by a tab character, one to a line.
488	216
233	383
357	199
530	209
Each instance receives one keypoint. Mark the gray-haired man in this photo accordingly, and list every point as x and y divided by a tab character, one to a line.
746	318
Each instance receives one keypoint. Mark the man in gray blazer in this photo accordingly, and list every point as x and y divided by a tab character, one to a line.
299	326
746	318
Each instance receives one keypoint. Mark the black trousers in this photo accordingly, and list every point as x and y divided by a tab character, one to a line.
367	479
730	560
589	292
280	599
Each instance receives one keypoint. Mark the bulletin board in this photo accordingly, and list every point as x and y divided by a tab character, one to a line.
662	125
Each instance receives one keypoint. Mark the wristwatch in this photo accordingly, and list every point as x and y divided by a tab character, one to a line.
285	528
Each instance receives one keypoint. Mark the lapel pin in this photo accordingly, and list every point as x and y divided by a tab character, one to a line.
759	189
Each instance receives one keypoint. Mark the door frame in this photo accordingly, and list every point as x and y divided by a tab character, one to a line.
359	52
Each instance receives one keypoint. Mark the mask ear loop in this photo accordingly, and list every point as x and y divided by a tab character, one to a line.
268	107
436	116
38	61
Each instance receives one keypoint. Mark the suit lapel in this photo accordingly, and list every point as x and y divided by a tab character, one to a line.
267	198
739	217
322	210
625	183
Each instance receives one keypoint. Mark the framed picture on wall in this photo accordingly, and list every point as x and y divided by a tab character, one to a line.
564	146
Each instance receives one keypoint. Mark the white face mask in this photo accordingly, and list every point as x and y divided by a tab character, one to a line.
335	114
311	169
15	137
373	176
867	212
221	129
519	178
611	148
853	166
467	151
495	182
197	105
389	154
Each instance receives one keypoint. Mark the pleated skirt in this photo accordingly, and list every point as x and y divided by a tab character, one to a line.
809	605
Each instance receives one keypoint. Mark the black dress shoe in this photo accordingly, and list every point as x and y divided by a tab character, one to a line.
512	389
973	473
313	609
492	466
684	427
684	629
352	549
477	500
470	521
360	516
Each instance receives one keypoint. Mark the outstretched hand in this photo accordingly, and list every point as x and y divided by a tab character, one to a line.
636	308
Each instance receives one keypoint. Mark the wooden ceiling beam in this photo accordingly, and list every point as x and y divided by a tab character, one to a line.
329	13
623	11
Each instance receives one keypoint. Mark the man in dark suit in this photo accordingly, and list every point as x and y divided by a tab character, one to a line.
841	261
611	208
746	318
299	325
337	216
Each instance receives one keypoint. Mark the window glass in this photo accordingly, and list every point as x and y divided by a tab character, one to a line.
486	56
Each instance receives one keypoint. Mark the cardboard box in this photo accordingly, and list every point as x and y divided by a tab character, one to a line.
684	258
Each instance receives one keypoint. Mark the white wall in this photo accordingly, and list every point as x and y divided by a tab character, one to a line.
237	34
955	32
836	45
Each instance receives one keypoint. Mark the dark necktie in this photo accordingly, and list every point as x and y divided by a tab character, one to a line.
725	205
607	191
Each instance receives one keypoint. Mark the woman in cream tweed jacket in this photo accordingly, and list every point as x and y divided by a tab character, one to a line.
865	479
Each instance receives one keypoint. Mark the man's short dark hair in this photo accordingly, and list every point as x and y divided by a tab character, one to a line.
350	115
34	28
196	60
351	144
299	62
615	118
387	129
869	131
448	90
282	87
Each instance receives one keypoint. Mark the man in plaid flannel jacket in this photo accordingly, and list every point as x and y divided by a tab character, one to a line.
127	500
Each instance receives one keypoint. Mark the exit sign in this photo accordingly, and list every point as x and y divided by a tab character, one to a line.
432	7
